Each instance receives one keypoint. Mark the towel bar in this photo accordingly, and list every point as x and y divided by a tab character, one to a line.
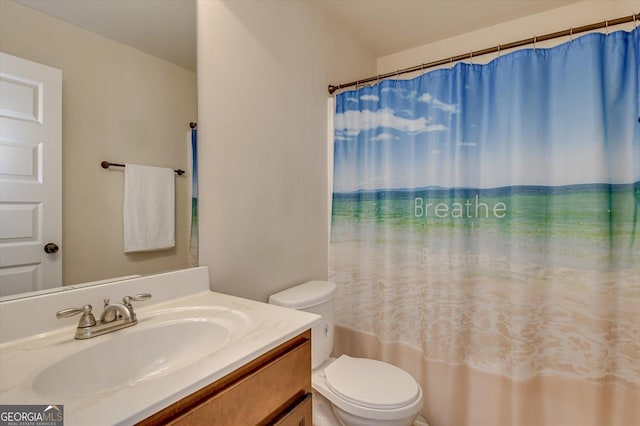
107	164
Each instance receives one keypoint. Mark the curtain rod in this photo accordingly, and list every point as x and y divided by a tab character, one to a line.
570	32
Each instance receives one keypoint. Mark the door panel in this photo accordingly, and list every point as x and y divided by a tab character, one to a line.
21	98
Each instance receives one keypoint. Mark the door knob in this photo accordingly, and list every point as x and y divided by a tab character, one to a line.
51	248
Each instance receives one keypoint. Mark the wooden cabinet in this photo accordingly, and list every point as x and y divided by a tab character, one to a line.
274	389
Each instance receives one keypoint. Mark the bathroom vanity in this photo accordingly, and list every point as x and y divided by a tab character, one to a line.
274	389
194	357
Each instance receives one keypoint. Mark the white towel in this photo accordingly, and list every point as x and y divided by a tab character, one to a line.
149	208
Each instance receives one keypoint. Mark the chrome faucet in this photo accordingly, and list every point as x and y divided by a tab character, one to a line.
114	317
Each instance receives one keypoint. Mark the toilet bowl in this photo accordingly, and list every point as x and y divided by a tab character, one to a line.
362	391
366	392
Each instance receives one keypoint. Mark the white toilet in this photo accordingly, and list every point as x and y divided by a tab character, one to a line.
362	392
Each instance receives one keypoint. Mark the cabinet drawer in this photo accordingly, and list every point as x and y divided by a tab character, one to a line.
253	399
299	415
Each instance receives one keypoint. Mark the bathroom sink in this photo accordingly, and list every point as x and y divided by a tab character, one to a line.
187	337
138	354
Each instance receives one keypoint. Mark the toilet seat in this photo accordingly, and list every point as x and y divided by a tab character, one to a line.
371	383
368	388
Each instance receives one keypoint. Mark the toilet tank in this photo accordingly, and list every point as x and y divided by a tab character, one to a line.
315	297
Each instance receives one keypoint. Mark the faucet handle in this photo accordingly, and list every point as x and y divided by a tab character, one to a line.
86	320
137	298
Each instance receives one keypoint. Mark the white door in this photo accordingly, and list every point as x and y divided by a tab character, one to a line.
30	176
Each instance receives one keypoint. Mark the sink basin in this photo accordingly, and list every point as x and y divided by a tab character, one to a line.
141	353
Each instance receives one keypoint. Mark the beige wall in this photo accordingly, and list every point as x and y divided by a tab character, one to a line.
120	105
574	15
263	71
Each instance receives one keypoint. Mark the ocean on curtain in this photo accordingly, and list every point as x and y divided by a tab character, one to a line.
485	234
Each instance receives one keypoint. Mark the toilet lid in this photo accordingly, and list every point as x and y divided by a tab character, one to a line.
371	383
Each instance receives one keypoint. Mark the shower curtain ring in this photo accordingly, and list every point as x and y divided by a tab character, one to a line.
498	51
571	34
471	57
606	26
535	39
451	62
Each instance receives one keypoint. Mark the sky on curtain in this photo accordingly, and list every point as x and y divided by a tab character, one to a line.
456	127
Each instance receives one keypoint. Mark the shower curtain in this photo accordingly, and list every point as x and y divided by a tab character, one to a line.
485	234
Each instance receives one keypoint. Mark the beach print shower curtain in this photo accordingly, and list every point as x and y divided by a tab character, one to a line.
485	234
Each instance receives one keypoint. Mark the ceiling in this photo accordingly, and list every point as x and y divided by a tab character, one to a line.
162	28
391	26
167	28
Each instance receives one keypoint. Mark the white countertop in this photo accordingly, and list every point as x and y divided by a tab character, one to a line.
23	359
